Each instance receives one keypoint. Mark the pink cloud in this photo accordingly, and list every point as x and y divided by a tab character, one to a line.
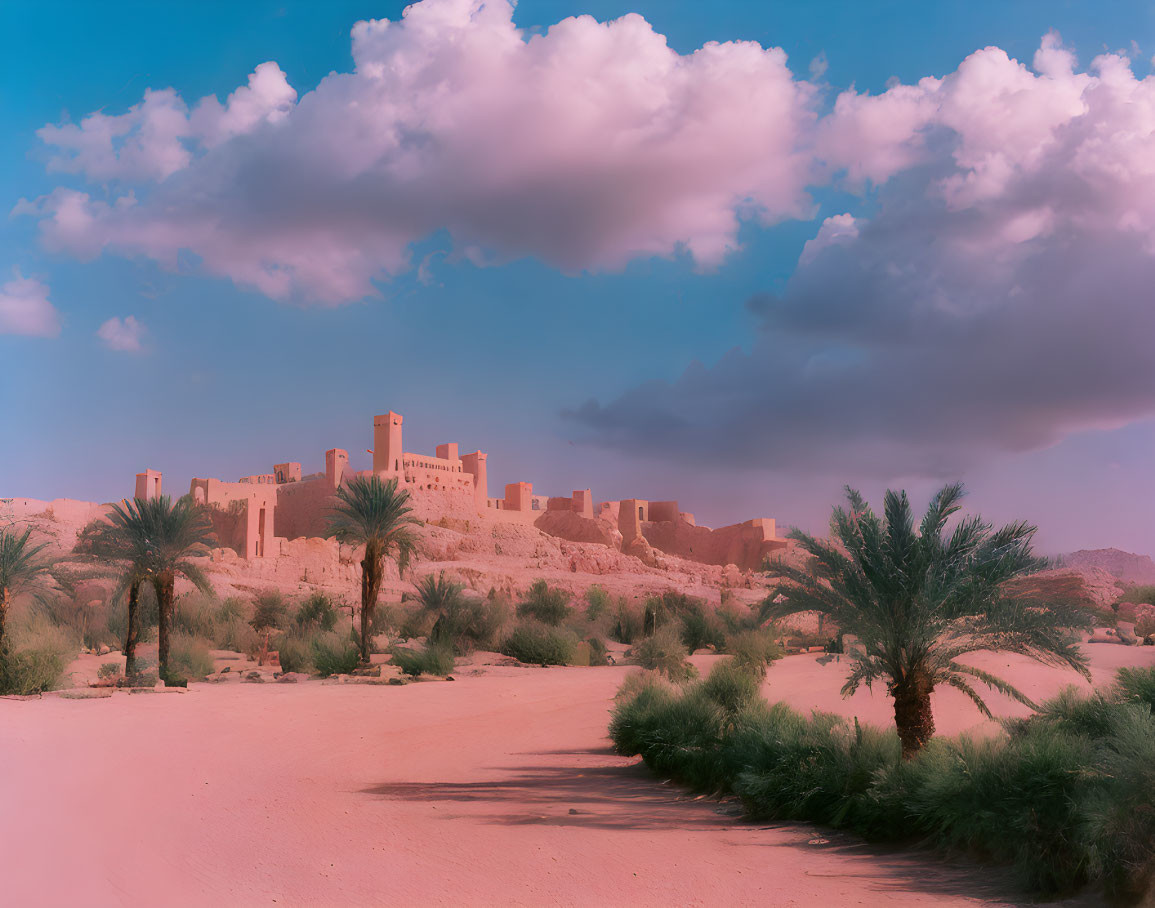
25	309
587	146
125	335
999	300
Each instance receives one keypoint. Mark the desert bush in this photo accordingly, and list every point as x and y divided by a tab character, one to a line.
735	618
628	623
1136	685
754	649
1140	592
295	653
429	660
599	655
731	685
461	620
39	650
665	653
109	670
597	602
32	671
416	622
269	612
540	644
549	606
236	635
189	657
195	614
318	613
1066	796
701	628
87	625
334	653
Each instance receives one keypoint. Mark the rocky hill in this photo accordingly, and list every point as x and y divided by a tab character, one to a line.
1124	566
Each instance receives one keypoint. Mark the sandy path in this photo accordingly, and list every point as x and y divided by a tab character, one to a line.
494	789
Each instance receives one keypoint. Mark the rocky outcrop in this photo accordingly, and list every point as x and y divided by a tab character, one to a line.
1125	566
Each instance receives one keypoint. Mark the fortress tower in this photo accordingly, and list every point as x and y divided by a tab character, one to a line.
387	443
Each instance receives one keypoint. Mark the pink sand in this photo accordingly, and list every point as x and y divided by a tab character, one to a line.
433	793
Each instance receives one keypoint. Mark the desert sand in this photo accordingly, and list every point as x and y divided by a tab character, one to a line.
496	788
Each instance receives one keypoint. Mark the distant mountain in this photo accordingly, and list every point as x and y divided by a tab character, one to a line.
1126	566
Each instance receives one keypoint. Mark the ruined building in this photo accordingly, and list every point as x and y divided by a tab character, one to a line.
254	513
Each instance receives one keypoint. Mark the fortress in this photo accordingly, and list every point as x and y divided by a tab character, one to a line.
253	514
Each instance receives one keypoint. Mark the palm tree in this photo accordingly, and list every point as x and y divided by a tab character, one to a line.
110	540
457	616
374	514
158	538
919	600
20	568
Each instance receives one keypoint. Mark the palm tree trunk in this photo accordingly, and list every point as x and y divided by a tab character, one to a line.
164	584
912	714
131	634
5	602
372	569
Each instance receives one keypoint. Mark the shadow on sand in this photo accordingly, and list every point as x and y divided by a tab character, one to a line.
625	796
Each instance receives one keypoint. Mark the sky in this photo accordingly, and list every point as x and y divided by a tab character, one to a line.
740	254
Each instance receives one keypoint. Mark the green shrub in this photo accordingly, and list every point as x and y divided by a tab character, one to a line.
597	603
549	606
734	618
664	652
269	613
295	653
31	671
1140	592
599	655
416	622
1136	685
540	644
628	623
731	685
633	718
701	629
430	660
334	654
754	649
195	615
189	657
318	613
110	670
36	656
1066	796
235	634
817	768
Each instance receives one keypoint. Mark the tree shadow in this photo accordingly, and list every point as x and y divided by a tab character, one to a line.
625	796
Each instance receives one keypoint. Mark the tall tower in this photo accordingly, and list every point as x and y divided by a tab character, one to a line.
475	464
336	460
387	443
148	484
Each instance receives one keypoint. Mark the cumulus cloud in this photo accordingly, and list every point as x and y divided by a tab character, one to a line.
125	335
999	300
587	146
25	309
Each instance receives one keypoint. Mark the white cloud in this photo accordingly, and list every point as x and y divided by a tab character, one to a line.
124	334
25	309
998	301
587	146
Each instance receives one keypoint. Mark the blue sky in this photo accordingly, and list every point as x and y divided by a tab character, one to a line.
229	380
